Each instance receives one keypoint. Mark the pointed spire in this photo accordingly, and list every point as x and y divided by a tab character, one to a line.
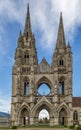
61	37
68	48
20	34
68	45
27	30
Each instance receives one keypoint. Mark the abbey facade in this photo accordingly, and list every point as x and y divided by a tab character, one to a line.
28	75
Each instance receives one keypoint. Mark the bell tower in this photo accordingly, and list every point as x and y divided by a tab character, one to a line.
62	67
24	68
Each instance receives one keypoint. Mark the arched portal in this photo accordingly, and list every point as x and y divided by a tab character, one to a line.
24	117
63	117
48	107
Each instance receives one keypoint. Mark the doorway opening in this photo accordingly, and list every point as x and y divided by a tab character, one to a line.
24	119
62	117
44	117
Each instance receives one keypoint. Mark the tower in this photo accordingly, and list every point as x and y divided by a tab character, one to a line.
62	70
25	66
62	66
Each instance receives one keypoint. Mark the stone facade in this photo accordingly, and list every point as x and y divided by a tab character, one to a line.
28	75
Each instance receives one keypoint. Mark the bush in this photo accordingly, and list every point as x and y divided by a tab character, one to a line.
71	127
65	125
14	127
79	128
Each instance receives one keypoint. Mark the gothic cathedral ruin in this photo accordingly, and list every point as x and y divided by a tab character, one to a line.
28	75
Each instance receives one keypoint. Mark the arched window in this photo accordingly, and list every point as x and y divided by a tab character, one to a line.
61	87
26	57
44	89
75	116
27	34
61	62
26	88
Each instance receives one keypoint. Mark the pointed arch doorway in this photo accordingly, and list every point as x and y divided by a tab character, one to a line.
24	117
63	117
43	117
44	105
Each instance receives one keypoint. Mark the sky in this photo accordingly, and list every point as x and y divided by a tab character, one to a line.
44	20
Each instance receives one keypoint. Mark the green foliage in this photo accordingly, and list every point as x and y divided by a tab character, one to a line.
65	125
44	121
79	128
72	127
5	128
14	127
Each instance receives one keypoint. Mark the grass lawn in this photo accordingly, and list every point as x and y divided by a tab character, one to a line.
39	127
5	129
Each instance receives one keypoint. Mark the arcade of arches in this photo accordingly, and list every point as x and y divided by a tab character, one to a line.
37	86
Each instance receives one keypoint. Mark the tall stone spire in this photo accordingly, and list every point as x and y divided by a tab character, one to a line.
61	37
27	29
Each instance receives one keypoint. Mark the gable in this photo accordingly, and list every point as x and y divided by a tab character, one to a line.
44	67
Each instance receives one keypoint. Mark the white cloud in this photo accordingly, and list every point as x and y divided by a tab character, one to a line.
11	10
47	17
44	17
43	113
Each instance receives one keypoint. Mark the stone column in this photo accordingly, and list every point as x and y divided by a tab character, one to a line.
51	121
56	121
31	120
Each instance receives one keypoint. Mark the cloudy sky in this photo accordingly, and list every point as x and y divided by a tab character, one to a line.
44	20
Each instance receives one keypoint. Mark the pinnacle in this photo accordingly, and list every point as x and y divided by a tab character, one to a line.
20	34
68	45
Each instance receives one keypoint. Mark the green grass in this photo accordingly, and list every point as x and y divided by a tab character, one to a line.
35	126
5	128
42	126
